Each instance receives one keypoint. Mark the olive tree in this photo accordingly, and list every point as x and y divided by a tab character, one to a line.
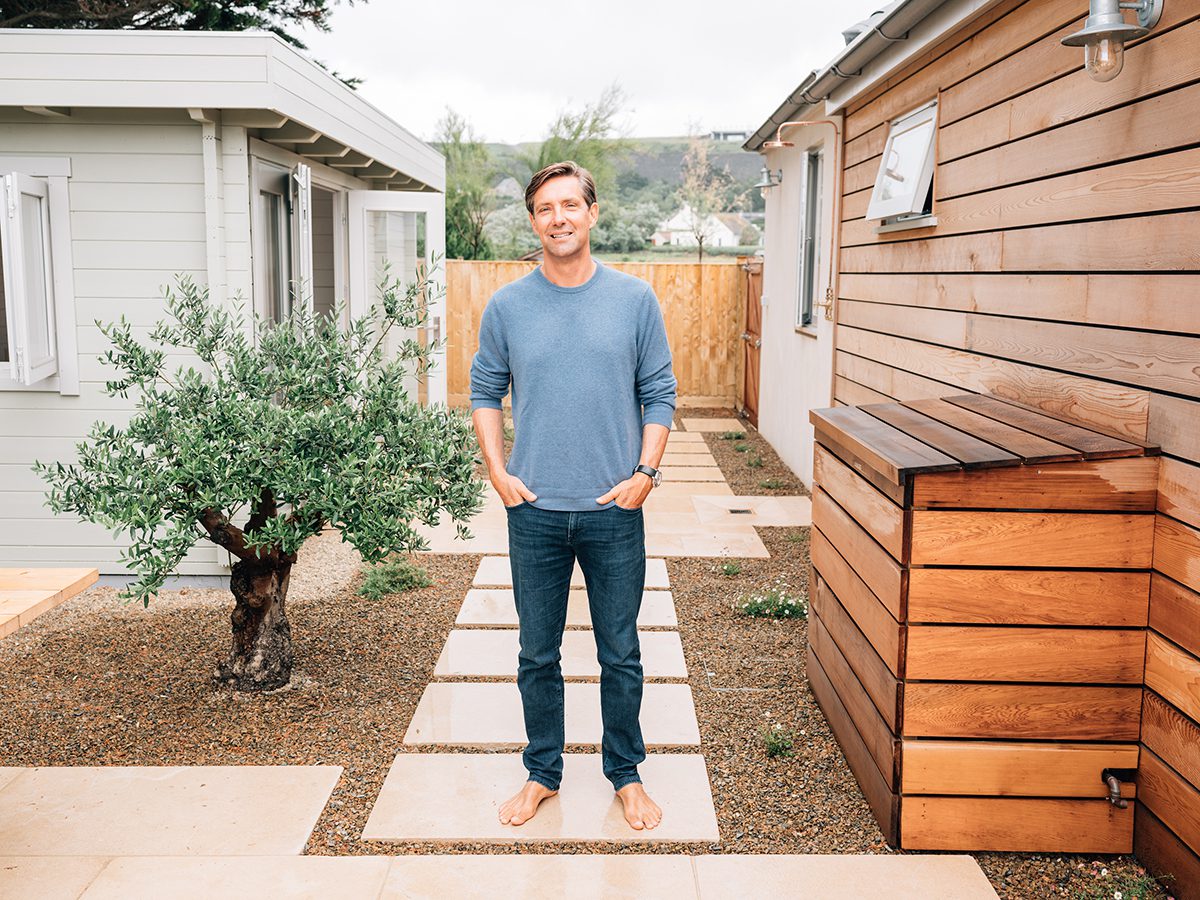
274	432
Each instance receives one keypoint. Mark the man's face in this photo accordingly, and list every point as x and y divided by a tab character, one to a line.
561	217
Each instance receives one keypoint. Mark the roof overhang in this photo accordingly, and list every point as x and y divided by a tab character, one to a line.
253	79
905	30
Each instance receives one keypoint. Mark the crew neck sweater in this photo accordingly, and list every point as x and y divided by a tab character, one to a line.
588	367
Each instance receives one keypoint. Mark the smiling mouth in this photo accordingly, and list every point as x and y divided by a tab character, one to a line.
561	235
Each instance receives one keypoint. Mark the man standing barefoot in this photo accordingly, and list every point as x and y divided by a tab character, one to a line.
593	397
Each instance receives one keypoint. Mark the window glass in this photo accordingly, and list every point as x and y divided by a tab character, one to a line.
906	158
4	357
906	166
274	255
810	236
34	252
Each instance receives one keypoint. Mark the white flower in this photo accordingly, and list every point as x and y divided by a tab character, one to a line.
1117	895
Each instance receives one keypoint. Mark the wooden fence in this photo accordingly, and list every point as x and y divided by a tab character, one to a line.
702	306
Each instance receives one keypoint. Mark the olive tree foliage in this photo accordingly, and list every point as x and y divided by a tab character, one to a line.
290	426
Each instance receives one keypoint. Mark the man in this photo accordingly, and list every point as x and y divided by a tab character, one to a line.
593	397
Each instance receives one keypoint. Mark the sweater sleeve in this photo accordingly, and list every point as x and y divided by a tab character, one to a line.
655	379
490	374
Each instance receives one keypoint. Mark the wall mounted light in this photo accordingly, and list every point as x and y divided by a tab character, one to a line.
767	180
1105	32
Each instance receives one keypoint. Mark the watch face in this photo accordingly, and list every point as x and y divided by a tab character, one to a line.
657	477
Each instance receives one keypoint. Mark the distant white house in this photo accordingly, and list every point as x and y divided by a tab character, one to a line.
719	230
131	156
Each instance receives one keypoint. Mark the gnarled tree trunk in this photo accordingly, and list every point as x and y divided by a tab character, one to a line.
260	658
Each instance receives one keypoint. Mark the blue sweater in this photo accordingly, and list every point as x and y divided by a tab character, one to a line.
589	366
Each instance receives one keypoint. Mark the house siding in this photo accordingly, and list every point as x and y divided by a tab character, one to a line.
137	219
1063	273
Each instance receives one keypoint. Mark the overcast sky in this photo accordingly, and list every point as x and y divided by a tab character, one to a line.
509	67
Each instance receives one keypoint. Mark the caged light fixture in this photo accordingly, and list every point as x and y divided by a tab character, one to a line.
1105	32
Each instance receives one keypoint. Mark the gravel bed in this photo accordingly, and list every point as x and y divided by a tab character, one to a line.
99	682
733	456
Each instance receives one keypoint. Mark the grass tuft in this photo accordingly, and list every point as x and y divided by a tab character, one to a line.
393	576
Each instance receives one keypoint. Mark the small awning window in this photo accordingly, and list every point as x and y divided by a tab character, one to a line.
906	170
27	301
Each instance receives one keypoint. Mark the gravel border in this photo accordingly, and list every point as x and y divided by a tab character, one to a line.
98	682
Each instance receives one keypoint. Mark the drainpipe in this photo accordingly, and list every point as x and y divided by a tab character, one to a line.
214	200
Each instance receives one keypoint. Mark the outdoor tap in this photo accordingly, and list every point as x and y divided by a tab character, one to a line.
1114	789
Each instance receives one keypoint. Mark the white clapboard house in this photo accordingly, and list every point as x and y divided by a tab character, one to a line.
129	157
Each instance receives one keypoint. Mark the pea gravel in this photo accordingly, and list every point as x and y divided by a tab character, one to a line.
100	682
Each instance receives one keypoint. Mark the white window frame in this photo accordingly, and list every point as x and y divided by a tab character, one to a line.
53	172
813	162
911	203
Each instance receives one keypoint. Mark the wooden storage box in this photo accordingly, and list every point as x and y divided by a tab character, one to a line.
981	578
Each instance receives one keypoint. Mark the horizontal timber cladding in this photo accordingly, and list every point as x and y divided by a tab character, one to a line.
980	604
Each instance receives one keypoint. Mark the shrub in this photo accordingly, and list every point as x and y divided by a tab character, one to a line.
778	740
393	576
773	484
731	568
730	435
741	448
754	461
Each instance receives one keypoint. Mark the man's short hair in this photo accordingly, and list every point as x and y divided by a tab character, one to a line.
555	170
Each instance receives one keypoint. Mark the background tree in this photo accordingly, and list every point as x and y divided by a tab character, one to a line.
183	15
470	200
288	429
702	189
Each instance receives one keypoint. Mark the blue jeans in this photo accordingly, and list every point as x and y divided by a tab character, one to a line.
610	544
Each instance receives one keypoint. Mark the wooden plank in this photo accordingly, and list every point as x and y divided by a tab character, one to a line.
897	384
876	513
1025	653
1092	444
882	574
892	453
1171	798
1022	711
851	393
873	618
1015	824
883	802
1174	424
1129	484
1006	539
1172	736
1175	612
1028	597
1149	448
895	491
1177	551
1146	300
1087	400
1011	768
1149	126
1163	61
1165	856
967	449
872	672
1179	490
1031	448
1174	674
880	741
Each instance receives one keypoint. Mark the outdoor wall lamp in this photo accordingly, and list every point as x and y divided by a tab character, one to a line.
767	180
1105	32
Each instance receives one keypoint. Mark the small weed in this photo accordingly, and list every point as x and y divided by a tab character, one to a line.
774	602
773	484
730	435
754	461
1140	886
741	448
731	568
778	740
796	537
393	576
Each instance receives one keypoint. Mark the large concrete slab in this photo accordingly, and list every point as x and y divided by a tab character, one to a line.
694	425
482	714
496	606
851	877
541	876
455	797
218	878
687	458
493	652
45	877
163	810
684	437
691	473
496	571
724	510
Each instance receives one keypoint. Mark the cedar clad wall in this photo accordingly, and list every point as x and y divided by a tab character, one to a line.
1064	272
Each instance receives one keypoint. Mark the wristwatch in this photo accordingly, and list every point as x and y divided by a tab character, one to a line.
655	474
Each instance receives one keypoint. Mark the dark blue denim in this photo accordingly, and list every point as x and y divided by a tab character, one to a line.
610	544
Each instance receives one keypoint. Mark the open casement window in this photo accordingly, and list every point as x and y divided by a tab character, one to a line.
906	171
28	345
302	234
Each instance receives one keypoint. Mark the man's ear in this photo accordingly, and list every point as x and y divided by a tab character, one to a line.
594	211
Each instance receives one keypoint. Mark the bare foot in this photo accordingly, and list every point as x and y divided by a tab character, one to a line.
640	811
522	806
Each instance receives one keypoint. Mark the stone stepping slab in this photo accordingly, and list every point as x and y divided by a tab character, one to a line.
482	714
27	593
496	606
687	458
692	473
455	797
493	652
695	426
684	437
496	571
162	810
723	510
